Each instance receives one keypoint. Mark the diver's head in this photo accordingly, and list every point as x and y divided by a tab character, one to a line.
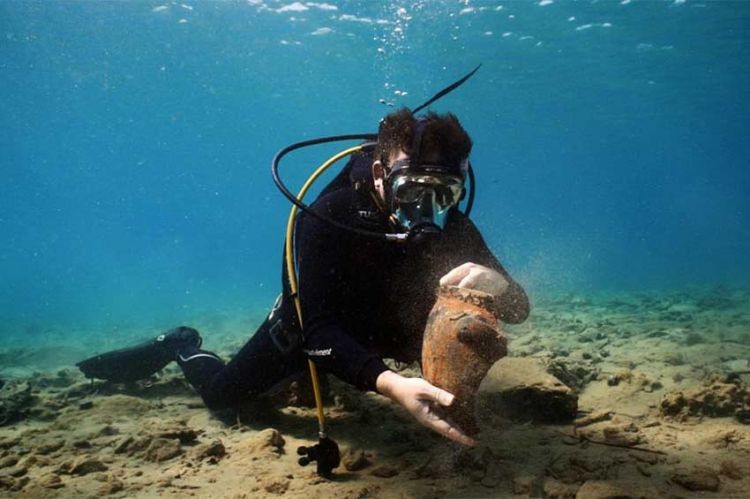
420	167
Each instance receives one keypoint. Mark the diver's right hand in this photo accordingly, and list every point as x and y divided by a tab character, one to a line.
420	398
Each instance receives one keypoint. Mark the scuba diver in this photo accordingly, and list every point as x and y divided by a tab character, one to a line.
363	299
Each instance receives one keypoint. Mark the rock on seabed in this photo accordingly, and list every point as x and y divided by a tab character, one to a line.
522	389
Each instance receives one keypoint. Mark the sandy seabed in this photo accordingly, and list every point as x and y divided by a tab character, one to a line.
663	411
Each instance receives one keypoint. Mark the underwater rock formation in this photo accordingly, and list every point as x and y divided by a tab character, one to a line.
718	399
522	389
462	340
15	401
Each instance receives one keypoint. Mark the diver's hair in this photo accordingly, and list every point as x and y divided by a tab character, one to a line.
444	139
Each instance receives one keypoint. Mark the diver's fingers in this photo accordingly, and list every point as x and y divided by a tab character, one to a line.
454	276
447	430
439	396
485	279
471	281
427	392
443	398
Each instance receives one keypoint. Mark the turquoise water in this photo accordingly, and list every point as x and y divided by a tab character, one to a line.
611	143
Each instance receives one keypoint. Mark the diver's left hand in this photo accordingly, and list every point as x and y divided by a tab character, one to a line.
477	277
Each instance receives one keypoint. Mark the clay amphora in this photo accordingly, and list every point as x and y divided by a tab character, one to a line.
462	339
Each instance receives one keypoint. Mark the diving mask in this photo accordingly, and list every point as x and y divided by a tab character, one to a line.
423	200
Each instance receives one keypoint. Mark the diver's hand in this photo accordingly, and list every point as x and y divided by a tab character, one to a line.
419	397
478	277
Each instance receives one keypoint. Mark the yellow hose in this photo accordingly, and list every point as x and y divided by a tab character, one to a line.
289	252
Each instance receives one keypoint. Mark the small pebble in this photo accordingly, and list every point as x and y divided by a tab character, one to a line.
569	440
384	471
613	380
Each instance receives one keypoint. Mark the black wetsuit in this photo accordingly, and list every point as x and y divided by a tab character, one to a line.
363	299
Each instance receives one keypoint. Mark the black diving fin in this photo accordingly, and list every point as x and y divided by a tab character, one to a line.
142	360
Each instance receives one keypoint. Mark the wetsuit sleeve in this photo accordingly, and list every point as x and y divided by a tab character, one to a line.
513	305
321	249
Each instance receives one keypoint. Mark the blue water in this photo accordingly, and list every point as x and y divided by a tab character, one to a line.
611	142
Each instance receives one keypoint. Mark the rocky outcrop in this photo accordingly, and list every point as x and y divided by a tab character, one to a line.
522	389
718	399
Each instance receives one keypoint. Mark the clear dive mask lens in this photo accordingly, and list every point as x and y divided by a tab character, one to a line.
413	188
420	200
